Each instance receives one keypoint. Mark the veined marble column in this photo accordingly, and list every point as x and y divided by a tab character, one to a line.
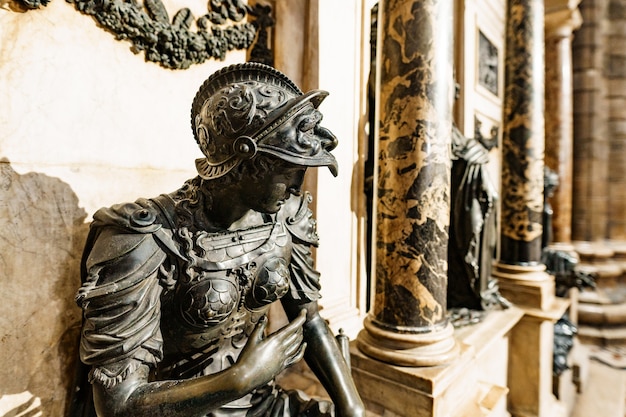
562	18
522	277
407	324
523	135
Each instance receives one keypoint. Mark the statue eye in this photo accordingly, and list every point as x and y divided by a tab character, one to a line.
307	124
309	121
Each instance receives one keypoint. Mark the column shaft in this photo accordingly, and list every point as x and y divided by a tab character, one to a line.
558	129
415	93
591	149
523	134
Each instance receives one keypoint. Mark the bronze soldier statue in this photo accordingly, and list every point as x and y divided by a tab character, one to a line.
176	288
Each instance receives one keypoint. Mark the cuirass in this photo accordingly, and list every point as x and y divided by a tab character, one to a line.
232	270
223	288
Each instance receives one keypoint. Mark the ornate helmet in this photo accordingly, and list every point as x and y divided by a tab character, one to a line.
248	108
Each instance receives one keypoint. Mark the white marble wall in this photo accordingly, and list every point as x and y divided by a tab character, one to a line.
343	71
84	123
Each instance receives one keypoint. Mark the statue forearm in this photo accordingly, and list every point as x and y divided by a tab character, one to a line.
196	397
327	362
260	360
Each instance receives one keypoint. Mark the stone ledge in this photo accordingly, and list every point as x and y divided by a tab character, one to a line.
603	314
602	335
438	391
473	385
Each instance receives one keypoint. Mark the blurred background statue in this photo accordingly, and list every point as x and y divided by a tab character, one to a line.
473	233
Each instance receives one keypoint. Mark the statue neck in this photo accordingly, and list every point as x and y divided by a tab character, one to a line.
227	211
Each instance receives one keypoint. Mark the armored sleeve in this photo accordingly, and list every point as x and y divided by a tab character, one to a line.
120	294
298	218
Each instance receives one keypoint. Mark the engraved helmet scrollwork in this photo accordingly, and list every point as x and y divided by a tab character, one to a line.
251	108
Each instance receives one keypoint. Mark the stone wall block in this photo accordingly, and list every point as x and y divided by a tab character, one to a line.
616	84
599	179
42	232
617	129
588	58
614	67
615	45
618	192
592	10
587	36
599	227
616	10
617	107
589	102
594	128
616	28
586	80
617	229
617	167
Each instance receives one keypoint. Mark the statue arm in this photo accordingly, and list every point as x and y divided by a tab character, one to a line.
259	362
137	397
322	354
326	359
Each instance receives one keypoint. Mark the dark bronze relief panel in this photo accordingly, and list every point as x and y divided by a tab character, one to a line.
170	41
487	64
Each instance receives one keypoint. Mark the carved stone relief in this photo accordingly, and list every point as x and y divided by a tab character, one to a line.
487	64
488	141
171	42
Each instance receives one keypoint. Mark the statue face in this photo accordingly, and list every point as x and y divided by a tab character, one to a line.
270	191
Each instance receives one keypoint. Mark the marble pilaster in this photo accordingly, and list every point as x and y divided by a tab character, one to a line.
407	323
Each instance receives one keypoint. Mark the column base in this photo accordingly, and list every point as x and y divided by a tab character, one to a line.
408	349
473	384
602	311
530	366
532	289
526	286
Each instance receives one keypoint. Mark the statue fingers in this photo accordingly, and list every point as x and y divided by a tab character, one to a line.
297	357
259	330
293	342
294	327
298	321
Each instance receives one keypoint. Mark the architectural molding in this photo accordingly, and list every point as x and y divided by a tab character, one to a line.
562	17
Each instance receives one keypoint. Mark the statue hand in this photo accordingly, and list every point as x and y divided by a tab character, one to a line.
265	357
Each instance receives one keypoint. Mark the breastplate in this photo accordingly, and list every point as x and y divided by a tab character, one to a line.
228	271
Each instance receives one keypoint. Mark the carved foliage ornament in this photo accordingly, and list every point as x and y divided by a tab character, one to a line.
171	43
